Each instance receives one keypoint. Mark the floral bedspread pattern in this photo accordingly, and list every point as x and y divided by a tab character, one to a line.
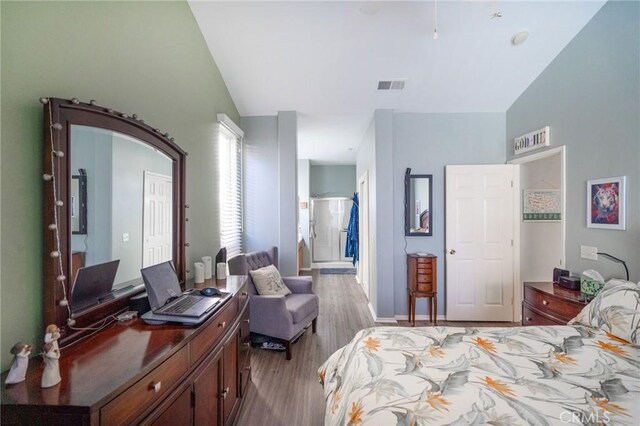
497	376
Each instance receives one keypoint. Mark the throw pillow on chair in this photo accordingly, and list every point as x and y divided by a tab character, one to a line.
268	282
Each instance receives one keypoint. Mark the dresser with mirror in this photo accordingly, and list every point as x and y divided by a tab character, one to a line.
114	202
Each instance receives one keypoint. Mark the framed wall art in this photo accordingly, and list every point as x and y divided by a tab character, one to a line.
606	203
542	205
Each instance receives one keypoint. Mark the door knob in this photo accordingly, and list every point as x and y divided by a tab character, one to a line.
452	251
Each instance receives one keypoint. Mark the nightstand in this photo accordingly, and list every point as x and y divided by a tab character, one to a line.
546	303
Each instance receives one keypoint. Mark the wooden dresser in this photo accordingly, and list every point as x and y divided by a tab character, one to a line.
546	303
422	281
134	373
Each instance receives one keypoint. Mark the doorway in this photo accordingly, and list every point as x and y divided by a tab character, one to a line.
540	244
363	211
329	222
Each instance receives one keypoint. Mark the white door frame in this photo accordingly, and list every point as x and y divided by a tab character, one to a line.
364	242
518	290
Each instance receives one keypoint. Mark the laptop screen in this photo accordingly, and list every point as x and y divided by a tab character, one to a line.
161	283
92	283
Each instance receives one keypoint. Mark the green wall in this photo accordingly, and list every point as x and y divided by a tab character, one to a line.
147	58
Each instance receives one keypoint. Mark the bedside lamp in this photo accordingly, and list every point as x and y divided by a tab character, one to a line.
615	259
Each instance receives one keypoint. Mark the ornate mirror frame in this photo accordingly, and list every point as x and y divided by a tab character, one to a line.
59	116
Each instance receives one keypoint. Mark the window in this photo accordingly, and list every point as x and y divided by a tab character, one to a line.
230	188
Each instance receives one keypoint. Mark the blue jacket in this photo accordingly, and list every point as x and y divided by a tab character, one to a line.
351	248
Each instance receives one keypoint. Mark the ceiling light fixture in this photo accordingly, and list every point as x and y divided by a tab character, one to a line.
497	14
435	20
519	37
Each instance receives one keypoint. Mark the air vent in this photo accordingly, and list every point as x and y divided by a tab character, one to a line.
391	84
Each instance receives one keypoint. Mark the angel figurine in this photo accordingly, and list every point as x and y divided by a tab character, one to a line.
52	336
51	374
18	369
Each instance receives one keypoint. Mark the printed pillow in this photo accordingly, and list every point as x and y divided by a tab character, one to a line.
615	310
268	282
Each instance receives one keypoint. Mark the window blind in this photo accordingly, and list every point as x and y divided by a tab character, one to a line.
230	190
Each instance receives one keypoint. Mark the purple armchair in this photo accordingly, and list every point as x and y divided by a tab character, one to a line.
282	317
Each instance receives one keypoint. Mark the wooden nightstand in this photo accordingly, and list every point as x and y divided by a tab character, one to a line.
546	303
422	281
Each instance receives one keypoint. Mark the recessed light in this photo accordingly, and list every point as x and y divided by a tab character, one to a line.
519	37
350	148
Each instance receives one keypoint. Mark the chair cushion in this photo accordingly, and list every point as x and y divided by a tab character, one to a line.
301	305
268	282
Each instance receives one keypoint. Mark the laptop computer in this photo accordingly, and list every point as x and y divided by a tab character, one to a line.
167	301
93	283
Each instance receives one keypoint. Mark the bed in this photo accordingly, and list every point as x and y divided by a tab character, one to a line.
540	375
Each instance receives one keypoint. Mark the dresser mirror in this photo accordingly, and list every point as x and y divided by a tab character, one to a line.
417	204
119	187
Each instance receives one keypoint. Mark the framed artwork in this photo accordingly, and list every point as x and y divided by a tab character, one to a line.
542	205
606	203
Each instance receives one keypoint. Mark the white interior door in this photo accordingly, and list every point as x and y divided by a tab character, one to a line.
157	234
363	212
479	242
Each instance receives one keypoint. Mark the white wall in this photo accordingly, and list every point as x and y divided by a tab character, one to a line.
303	214
540	242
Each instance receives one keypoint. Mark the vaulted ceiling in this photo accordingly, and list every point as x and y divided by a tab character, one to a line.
324	59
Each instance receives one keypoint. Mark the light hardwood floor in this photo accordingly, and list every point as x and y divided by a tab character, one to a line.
287	393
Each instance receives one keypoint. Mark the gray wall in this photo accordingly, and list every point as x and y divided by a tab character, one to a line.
92	150
260	180
384	225
590	97
427	143
270	186
303	214
131	59
366	162
130	161
333	181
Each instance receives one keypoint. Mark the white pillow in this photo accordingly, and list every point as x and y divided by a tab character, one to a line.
268	282
616	310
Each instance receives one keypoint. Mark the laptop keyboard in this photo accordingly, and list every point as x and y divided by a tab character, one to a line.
181	307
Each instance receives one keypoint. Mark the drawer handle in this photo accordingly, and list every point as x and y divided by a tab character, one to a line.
528	319
225	393
545	303
222	324
244	293
248	368
155	386
248	344
247	321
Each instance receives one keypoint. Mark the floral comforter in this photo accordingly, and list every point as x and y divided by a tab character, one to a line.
497	376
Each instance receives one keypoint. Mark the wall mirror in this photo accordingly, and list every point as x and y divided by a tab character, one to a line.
120	190
417	204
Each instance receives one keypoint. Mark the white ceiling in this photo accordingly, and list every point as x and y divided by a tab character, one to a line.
324	59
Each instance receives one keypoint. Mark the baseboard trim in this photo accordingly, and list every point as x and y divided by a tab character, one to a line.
421	317
380	319
306	269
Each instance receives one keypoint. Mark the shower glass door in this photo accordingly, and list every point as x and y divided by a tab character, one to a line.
329	221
